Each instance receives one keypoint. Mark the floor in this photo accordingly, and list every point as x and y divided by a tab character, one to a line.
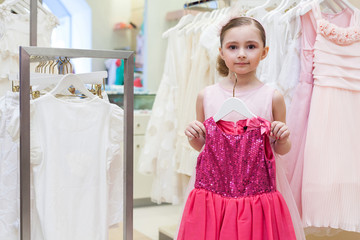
148	220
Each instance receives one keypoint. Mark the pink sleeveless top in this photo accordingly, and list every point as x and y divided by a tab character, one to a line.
258	100
335	65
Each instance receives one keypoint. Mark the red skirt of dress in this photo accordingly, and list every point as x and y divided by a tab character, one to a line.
209	216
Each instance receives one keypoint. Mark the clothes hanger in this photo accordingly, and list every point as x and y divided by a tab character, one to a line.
262	8
197	20
42	80
308	7
211	21
17	7
233	104
183	22
203	22
25	5
346	3
74	81
274	11
294	12
87	78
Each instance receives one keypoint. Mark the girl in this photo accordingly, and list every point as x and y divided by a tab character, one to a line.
235	195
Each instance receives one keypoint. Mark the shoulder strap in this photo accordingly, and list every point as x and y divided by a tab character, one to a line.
316	10
356	17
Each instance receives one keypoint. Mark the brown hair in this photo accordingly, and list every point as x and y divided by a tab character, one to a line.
237	22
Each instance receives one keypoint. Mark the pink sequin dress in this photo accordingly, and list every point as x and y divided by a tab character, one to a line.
235	194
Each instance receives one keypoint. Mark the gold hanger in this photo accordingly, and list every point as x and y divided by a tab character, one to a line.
15	88
234	84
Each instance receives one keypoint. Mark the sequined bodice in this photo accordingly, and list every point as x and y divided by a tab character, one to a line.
237	165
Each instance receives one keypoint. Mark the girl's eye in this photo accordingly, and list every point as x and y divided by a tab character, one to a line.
251	46
232	47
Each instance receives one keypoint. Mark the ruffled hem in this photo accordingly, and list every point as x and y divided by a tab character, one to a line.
212	217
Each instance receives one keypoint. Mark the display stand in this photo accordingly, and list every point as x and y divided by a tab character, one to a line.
27	54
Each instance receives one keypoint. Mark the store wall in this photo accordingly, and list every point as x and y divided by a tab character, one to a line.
356	3
156	45
105	14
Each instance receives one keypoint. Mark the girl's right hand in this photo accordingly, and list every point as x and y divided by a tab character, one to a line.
195	129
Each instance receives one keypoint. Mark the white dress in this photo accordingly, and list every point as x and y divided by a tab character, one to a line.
9	170
158	155
290	68
76	167
14	32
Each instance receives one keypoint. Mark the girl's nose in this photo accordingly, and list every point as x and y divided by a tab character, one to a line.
241	53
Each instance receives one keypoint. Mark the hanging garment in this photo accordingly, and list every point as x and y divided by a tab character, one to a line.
76	167
331	179
111	68
184	153
15	33
289	74
297	119
9	170
235	194
161	132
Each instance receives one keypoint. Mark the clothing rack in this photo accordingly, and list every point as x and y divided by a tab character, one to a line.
26	55
192	4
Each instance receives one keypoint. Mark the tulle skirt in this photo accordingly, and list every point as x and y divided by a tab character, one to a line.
209	216
331	181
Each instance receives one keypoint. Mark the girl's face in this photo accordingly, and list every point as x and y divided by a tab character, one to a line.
243	49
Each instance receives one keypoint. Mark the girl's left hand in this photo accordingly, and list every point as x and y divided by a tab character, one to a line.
279	131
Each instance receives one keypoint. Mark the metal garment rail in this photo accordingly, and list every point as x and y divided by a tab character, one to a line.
26	56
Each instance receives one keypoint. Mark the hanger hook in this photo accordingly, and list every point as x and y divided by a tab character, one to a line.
234	84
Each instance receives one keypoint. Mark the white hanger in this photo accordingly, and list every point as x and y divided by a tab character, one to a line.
71	80
294	12
211	21
274	11
233	104
347	3
44	80
25	4
308	7
41	80
289	4
197	20
262	8
183	22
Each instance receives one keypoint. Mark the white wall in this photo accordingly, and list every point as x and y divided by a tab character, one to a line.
155	45
356	3
105	14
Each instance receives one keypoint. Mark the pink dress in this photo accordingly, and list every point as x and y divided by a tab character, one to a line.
235	194
259	100
297	118
331	177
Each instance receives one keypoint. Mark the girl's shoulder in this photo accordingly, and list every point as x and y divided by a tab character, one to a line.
211	89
